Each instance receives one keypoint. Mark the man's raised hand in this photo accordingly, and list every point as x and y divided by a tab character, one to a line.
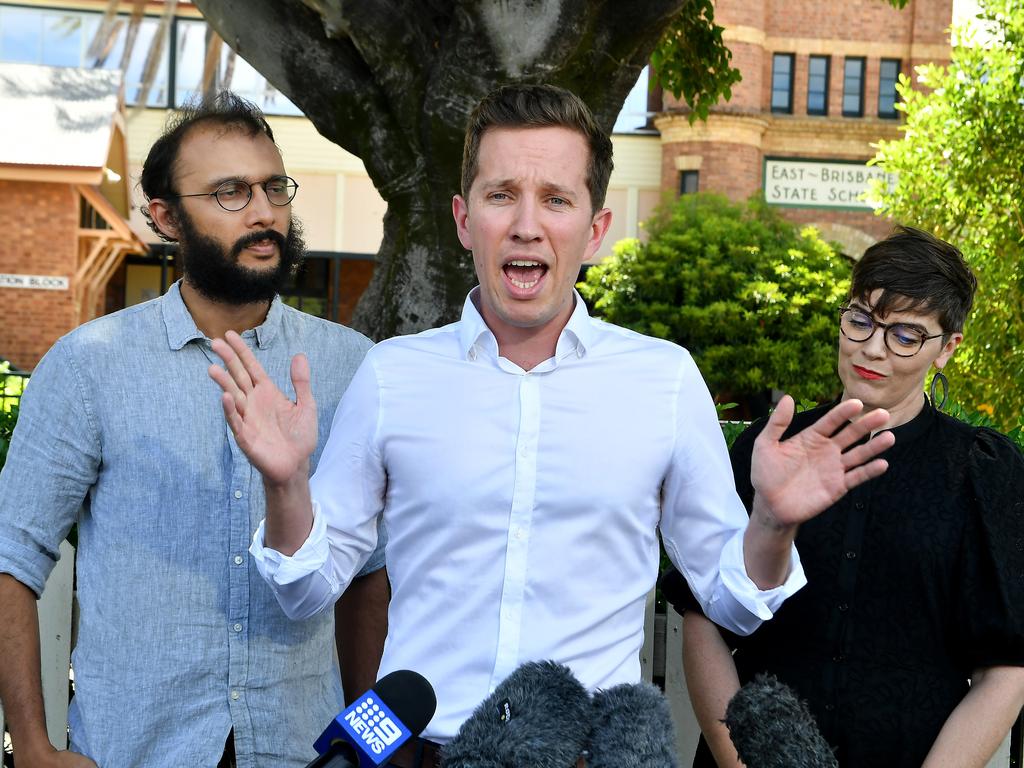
799	478
277	435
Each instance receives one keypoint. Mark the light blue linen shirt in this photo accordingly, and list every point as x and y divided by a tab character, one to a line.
180	640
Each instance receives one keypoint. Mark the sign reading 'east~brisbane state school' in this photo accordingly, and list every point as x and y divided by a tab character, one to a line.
813	184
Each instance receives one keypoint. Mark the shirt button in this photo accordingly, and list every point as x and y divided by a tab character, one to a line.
859	505
838	658
235	695
519	534
238	494
472	354
237	627
851	555
523	450
830	707
843	607
239	559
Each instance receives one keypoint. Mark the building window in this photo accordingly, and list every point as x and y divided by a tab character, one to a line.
636	113
888	75
782	82
853	86
64	38
232	72
688	182
817	85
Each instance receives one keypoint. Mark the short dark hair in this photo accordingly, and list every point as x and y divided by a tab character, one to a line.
916	271
526	105
226	110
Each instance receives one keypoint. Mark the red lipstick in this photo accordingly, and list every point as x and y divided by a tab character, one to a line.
867	373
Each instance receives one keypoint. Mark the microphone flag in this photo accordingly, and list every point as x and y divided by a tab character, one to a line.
380	721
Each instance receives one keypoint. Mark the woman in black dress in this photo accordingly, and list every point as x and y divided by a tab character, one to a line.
915	578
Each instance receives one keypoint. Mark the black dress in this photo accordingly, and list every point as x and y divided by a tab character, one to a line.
914	579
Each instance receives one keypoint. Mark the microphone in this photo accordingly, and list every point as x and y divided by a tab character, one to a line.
538	717
632	728
368	731
772	728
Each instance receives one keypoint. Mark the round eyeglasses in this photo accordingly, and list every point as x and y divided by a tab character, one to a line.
234	195
902	339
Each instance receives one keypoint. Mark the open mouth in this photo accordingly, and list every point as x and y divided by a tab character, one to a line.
524	274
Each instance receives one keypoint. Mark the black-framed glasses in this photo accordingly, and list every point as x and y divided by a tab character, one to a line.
902	339
234	195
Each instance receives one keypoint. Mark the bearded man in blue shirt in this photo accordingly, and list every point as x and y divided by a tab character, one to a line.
184	657
524	459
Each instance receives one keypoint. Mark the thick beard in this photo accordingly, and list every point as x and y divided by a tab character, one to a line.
218	276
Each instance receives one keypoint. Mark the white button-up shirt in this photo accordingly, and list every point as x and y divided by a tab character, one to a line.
522	507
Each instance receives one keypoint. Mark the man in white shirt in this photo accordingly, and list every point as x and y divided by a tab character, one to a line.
525	458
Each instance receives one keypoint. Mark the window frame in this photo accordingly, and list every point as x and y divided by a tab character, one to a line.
89	19
860	93
684	177
894	113
788	109
828	81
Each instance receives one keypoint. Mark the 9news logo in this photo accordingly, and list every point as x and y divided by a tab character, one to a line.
374	724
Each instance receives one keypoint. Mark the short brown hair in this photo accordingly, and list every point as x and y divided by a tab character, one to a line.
539	106
916	271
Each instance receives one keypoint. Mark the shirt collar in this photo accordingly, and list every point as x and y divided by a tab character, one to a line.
917	426
474	335
181	328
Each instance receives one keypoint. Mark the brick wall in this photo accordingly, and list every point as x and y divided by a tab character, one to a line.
733	170
865	221
39	222
730	156
874	20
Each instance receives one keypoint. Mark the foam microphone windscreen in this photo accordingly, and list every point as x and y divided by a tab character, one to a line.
771	727
538	717
632	728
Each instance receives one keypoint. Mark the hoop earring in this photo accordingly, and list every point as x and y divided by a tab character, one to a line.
939	378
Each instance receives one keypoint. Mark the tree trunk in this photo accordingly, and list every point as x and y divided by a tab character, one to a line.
394	81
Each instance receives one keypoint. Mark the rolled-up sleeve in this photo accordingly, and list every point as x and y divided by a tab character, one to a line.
348	486
703	518
51	465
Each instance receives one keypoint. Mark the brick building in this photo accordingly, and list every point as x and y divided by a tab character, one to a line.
818	89
65	202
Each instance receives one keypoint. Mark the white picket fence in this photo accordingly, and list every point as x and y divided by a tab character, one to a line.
662	652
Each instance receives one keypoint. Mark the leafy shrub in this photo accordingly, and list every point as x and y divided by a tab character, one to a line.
11	388
753	299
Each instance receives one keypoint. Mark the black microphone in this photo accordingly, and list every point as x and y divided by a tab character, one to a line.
537	717
369	731
632	726
772	728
